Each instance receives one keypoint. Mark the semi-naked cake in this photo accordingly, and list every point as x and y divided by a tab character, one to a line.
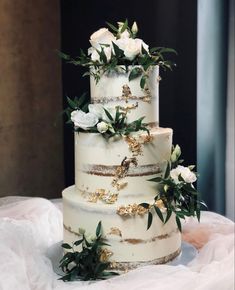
112	176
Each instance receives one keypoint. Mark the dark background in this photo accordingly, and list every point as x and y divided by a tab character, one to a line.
168	23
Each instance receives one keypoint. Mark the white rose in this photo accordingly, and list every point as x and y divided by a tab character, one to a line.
102	127
185	172
84	120
102	36
96	109
131	47
128	45
125	34
140	43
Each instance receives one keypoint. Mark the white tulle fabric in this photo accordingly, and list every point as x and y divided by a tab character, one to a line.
29	226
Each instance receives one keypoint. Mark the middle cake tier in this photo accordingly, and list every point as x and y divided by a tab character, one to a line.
110	170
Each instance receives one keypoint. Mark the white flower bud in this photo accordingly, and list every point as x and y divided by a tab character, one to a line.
90	238
134	28
102	127
176	153
81	231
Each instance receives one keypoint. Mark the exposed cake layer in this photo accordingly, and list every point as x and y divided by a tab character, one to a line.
115	89
129	239
99	162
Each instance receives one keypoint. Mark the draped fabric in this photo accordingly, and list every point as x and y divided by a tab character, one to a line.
29	227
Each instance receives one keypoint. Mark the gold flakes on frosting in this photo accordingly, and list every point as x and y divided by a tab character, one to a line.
159	203
105	254
128	108
121	172
101	194
159	78
126	92
131	210
136	143
147	99
115	231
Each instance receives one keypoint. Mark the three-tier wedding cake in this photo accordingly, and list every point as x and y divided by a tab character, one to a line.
119	149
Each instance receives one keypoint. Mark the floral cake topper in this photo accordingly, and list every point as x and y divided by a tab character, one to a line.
117	46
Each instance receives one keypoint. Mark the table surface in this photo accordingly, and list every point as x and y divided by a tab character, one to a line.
30	226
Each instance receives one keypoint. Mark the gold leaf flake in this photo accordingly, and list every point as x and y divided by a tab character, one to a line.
159	203
126	92
105	254
128	108
115	231
159	78
121	172
131	210
101	194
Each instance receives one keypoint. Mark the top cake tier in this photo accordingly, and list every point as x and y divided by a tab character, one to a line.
114	89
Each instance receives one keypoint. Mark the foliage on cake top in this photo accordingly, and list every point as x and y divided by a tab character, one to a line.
176	192
120	47
94	118
91	262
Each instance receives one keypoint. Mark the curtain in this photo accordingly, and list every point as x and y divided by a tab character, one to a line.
211	101
230	118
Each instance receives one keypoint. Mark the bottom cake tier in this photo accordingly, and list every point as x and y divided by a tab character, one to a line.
131	244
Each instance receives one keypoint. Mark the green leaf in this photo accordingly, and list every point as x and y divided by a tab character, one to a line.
168	168
101	267
66	246
143	81
203	203
150	219
77	243
125	26
98	229
159	213
108	115
82	99
156	179
143	50
63	55
145	205
168	215
168	50
178	223
103	57
135	73
118	114
72	104
198	213
112	26
118	51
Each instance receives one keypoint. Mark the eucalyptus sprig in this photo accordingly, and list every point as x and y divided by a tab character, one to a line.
176	193
86	264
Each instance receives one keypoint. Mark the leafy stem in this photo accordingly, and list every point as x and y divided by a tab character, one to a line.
88	263
175	194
